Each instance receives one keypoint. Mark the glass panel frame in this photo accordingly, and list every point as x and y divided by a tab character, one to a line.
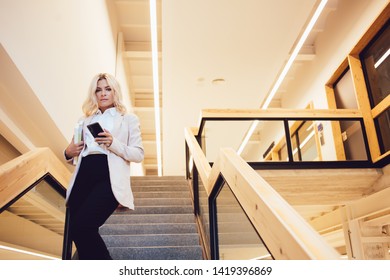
35	222
376	64
382	123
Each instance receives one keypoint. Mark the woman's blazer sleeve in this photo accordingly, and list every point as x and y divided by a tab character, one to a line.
128	143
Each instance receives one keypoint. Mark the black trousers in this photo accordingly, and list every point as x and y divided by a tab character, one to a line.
90	203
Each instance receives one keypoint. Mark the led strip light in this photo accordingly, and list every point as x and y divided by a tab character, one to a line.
2	247
156	88
286	68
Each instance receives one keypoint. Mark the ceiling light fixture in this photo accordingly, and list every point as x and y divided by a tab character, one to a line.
382	58
156	84
286	68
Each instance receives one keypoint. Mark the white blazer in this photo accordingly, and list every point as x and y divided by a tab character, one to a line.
126	147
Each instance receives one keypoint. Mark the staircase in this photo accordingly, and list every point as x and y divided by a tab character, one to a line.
162	226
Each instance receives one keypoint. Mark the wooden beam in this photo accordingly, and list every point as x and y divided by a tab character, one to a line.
336	128
371	206
23	171
381	107
278	113
364	104
376	239
328	222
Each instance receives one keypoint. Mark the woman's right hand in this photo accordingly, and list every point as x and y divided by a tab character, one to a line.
74	150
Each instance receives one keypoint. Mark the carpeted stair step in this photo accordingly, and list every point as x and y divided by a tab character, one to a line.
162	226
151	240
152	218
152	228
153	253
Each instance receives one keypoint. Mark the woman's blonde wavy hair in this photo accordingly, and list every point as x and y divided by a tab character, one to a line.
90	105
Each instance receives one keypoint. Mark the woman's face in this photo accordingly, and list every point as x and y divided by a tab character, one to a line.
104	95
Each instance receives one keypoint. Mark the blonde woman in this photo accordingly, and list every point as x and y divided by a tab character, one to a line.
101	180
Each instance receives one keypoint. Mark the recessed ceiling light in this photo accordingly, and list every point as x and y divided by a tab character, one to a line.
218	81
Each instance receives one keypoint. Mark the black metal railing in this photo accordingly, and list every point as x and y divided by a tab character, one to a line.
67	241
209	221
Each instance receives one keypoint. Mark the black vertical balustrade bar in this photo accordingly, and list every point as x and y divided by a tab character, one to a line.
214	250
214	243
367	146
196	180
199	140
195	188
288	140
187	161
67	242
298	147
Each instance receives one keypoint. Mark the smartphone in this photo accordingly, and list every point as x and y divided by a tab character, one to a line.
95	129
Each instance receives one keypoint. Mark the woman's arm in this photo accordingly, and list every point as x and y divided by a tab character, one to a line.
73	150
131	151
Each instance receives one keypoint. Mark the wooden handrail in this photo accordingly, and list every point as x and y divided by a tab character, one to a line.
23	171
286	234
199	158
279	114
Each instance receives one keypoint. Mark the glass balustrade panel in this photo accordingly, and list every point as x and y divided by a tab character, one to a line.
32	227
237	238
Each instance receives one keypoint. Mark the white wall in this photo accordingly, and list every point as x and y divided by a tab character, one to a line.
58	46
54	49
204	40
344	28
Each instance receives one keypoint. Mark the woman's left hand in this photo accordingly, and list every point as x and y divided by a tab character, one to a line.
105	138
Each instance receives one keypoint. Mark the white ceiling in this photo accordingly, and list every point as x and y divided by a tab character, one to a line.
246	43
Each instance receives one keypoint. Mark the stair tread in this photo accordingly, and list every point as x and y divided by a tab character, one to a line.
152	218
147	224
157	253
171	246
146	234
162	226
141	240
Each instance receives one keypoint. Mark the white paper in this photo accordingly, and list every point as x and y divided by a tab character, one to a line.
77	136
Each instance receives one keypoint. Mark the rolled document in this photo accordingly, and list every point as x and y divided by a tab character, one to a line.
77	137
